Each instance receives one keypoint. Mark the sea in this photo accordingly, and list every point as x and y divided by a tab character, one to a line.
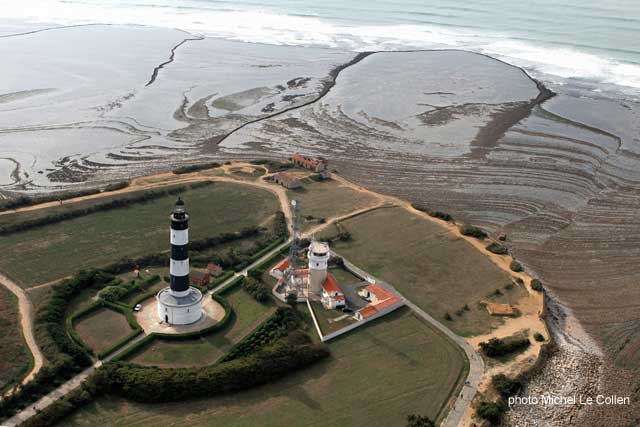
572	45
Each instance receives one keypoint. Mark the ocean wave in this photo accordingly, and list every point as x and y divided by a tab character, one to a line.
247	24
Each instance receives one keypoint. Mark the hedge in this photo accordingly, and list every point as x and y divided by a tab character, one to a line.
137	347
195	168
235	282
153	385
143	296
67	215
119	344
470	230
23	201
79	314
497	249
284	320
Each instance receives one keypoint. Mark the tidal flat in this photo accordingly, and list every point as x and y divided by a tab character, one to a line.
457	131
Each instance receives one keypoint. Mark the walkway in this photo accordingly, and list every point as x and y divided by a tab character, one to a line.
26	323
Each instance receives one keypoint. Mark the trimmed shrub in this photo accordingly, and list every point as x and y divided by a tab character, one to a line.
256	289
470	230
516	266
497	347
506	386
497	249
491	411
536	285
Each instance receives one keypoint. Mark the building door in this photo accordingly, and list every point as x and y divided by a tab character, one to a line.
166	318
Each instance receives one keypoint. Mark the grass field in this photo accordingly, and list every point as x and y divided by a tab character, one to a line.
43	254
329	198
434	269
102	328
205	351
15	358
390	368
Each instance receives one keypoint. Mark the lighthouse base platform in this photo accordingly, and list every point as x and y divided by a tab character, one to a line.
179	310
211	313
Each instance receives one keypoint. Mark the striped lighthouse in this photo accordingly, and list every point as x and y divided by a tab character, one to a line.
179	267
179	304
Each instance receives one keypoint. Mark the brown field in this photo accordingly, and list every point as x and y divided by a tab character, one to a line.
390	368
102	328
328	199
15	358
434	269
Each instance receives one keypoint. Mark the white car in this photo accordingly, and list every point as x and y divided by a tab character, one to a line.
138	307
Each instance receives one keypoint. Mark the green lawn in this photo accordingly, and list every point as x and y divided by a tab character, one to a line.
43	254
326	318
204	351
15	358
102	328
329	198
434	269
378	375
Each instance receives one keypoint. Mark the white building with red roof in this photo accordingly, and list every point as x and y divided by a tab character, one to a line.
332	295
381	301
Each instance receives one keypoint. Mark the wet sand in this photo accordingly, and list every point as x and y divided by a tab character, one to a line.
456	131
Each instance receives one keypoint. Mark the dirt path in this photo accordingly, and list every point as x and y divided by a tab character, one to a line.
26	323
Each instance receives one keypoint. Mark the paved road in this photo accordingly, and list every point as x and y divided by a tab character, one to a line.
26	323
476	364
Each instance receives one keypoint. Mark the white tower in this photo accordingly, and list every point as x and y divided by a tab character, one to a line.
318	262
179	304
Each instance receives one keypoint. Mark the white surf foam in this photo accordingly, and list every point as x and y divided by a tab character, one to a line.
263	26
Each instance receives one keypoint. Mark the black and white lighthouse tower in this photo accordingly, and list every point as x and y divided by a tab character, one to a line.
179	267
179	304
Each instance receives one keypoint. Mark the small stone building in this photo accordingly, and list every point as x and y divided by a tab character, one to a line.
200	278
214	269
287	180
316	165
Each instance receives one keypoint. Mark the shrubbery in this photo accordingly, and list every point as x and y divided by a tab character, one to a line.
515	266
536	285
53	218
538	337
506	386
23	201
256	289
284	320
491	411
470	230
154	385
436	214
497	347
497	249
195	168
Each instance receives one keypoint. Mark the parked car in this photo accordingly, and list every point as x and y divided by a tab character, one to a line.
138	307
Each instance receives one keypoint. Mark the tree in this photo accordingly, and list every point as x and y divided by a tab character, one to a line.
414	420
292	300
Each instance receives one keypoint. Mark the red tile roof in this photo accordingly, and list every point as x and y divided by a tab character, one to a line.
330	285
282	265
367	311
380	292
